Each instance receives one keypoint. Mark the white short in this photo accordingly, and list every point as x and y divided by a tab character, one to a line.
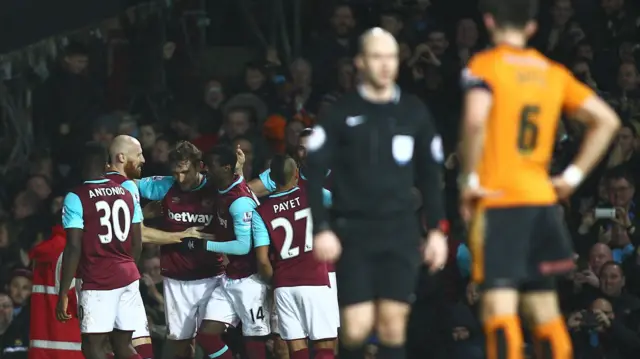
102	311
243	300
306	312
185	302
334	288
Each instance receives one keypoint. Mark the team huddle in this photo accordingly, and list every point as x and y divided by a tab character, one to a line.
227	258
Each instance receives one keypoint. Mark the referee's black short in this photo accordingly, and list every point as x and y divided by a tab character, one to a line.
380	259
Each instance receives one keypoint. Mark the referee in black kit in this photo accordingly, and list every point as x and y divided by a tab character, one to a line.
374	140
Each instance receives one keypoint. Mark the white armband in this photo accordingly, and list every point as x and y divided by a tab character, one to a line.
472	180
573	175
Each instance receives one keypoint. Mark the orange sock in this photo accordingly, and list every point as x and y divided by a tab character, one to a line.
552	340
504	337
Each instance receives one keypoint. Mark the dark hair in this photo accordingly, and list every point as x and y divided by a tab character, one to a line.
20	272
185	151
515	13
618	173
94	154
282	169
225	154
306	132
610	264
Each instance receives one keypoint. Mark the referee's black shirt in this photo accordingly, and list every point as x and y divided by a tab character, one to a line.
376	153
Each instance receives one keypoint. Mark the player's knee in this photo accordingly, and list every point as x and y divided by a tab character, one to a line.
499	302
357	323
540	307
212	327
391	322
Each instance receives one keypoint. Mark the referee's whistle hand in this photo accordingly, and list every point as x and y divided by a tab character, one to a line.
435	250
326	246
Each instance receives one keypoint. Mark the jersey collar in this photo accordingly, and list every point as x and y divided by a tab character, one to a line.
235	183
394	99
280	194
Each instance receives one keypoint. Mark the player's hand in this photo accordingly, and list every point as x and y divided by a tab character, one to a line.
563	189
469	198
435	250
574	321
195	232
241	157
61	309
153	209
326	246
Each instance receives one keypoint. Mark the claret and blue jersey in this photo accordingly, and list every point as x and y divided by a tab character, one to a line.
240	229
72	208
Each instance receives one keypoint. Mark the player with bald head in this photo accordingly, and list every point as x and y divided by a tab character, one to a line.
368	138
306	308
125	166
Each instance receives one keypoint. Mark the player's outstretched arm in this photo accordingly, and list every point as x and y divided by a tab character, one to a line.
241	211
261	243
263	185
602	124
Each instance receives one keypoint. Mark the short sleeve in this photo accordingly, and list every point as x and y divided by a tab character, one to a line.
154	188
575	92
72	212
475	75
137	209
267	182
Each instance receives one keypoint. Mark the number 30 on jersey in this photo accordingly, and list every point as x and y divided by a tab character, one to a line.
110	220
287	251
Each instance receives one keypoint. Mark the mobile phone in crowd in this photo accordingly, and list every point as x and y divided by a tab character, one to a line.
605	213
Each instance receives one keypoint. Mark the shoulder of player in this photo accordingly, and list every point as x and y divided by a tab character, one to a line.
242	204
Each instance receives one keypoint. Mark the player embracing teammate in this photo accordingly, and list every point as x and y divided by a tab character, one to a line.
305	304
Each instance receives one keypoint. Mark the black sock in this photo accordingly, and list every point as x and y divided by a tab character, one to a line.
389	352
350	352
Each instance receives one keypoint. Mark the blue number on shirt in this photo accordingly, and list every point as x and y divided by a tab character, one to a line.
110	219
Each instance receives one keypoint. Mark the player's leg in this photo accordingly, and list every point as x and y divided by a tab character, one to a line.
251	302
551	255
180	309
97	312
333	283
395	279
499	240
356	294
317	306
218	314
280	349
131	314
290	321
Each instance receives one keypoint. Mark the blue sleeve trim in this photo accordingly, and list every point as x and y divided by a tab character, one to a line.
137	209
267	182
260	232
72	212
155	188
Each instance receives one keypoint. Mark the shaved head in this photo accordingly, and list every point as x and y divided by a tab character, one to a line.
284	170
376	37
126	155
378	59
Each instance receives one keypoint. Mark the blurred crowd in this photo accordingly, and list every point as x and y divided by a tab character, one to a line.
93	93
